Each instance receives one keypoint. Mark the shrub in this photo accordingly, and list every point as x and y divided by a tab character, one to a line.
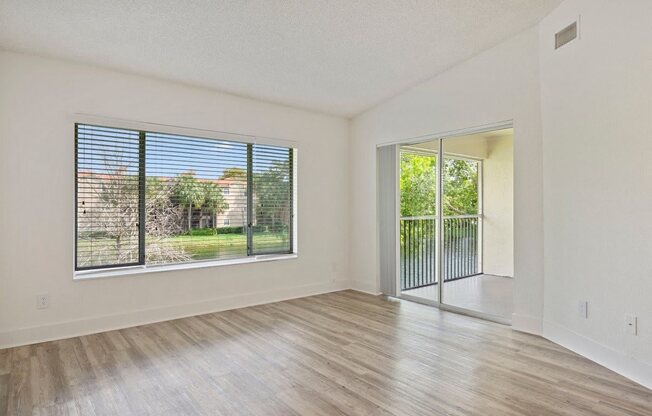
279	228
211	231
230	230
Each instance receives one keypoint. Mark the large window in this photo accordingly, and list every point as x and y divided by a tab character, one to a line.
145	198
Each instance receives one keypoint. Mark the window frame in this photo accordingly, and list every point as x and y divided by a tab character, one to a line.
140	266
141	203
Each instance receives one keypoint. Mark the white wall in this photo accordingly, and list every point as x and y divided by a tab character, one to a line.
499	84
597	107
37	100
498	210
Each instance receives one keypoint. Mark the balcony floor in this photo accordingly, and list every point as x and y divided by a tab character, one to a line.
483	293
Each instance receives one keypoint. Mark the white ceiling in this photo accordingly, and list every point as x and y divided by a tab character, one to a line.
336	56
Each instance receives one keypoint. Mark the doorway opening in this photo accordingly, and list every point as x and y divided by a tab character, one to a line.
455	223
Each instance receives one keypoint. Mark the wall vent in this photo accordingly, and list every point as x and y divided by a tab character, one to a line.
566	35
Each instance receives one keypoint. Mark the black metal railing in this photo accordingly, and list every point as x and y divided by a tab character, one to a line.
460	243
418	245
460	256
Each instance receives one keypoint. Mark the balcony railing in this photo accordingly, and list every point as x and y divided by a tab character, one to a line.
460	254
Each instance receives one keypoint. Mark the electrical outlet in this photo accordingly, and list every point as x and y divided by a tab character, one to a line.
631	324
583	309
43	301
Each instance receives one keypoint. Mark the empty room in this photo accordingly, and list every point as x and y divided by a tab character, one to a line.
425	207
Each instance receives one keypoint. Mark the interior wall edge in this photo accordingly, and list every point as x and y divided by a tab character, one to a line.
364	287
528	324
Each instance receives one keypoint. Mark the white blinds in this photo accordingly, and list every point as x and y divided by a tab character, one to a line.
156	198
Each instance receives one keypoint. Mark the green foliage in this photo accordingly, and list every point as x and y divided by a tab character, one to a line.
199	232
231	230
188	193
235	173
188	190
272	195
418	184
214	201
460	187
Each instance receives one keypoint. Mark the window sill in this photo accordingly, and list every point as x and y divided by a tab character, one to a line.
135	270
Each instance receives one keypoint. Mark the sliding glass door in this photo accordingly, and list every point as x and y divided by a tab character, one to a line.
441	223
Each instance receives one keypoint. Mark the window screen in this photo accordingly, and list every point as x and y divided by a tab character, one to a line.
147	198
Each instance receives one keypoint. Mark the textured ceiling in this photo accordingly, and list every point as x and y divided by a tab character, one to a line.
336	56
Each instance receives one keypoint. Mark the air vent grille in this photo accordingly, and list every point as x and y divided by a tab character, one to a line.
566	35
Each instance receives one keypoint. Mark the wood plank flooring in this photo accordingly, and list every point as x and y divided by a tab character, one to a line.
343	353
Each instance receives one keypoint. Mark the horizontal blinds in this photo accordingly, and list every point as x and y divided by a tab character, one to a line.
107	207
199	199
196	199
272	199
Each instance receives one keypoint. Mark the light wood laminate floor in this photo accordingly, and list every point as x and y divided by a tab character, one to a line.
333	354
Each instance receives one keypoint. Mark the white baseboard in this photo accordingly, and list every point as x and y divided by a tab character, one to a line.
614	360
365	287
68	329
529	324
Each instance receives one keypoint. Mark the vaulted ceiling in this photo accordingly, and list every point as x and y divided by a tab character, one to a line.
335	56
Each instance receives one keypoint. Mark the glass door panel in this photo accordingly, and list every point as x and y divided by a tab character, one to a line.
477	229
461	224
417	225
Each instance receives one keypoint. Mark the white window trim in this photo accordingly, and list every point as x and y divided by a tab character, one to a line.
137	270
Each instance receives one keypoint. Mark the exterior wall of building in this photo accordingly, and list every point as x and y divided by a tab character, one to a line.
235	194
498	208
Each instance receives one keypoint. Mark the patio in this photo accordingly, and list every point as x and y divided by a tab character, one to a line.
484	293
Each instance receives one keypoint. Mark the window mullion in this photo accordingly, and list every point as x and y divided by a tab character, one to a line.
291	180
250	200
142	181
76	196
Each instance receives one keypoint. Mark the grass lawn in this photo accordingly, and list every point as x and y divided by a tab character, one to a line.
202	247
198	247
